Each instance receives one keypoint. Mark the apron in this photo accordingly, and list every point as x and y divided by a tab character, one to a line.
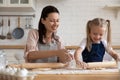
50	46
95	55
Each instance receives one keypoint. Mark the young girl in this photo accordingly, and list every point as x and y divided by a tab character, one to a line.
94	46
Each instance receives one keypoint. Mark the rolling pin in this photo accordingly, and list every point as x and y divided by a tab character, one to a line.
102	64
38	65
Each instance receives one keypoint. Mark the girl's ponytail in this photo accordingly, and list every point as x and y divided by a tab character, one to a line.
108	34
88	41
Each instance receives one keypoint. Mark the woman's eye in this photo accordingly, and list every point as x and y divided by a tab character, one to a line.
51	21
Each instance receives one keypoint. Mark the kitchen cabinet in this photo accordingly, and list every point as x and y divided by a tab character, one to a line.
114	7
17	5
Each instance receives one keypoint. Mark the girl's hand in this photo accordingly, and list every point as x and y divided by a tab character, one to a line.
82	65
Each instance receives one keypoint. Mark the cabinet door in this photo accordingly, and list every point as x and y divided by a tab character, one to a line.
17	5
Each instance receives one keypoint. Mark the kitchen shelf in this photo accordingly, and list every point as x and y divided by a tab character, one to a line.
17	9
75	47
23	46
114	7
12	46
19	15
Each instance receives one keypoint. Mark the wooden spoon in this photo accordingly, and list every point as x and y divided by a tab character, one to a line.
9	35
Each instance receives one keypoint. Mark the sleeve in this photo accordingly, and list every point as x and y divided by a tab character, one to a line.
83	43
105	45
60	43
31	44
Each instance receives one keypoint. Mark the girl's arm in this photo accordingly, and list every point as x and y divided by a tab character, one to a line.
77	54
115	55
111	51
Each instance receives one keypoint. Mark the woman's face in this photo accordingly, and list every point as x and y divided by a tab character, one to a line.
97	33
51	22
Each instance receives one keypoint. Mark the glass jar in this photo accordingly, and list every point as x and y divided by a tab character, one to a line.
2	59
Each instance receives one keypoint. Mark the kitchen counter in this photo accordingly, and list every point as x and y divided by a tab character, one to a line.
108	76
63	74
58	71
66	74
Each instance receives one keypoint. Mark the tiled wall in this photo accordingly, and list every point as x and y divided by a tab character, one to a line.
10	55
74	15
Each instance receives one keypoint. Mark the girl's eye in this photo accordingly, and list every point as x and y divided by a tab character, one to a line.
101	34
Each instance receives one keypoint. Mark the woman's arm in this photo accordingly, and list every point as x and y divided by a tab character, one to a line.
63	55
32	52
31	43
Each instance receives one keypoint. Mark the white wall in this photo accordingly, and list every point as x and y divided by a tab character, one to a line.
74	15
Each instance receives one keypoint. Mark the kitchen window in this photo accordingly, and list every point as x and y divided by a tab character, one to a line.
24	1
14	1
1	1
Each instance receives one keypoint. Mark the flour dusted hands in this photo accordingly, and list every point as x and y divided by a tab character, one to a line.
81	64
64	56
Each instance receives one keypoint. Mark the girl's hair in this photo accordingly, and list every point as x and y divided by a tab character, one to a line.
41	28
101	23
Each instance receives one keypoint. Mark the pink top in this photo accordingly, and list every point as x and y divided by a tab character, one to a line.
33	45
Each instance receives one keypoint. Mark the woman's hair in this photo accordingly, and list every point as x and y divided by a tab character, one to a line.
98	22
41	28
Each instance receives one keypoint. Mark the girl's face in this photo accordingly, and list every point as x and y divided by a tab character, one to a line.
96	33
51	22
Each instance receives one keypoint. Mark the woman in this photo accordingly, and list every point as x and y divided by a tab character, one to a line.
43	45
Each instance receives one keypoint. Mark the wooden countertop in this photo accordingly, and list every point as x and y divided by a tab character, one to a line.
94	76
12	46
75	47
23	46
78	74
62	73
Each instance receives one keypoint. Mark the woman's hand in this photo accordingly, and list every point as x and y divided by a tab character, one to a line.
64	56
82	65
